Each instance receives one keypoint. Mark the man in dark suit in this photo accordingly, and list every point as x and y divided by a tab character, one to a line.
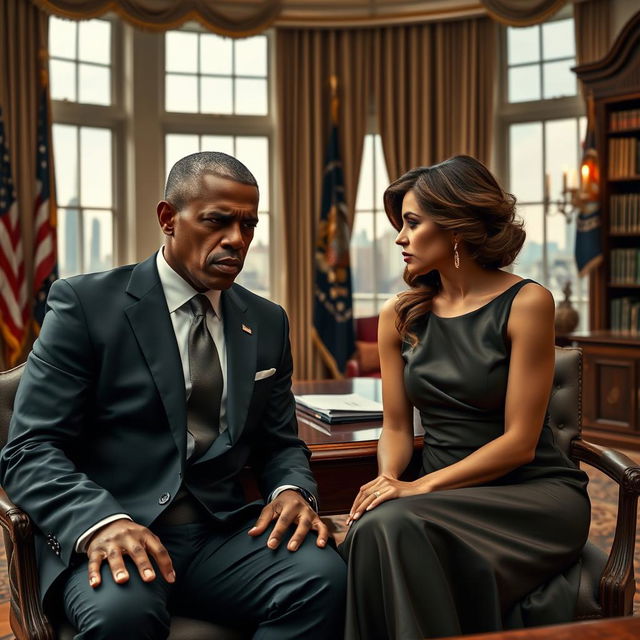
149	389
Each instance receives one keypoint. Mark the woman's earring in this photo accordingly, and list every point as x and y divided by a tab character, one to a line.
456	255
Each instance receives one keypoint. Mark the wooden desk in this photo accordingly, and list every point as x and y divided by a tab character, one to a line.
343	457
609	629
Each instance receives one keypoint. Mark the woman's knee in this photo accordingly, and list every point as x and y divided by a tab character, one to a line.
388	518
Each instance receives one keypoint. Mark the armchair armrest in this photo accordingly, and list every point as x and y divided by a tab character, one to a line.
617	583
615	464
26	616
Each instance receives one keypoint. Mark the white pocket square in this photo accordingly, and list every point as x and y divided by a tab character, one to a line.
261	375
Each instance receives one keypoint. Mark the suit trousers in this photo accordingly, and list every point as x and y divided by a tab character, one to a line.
222	575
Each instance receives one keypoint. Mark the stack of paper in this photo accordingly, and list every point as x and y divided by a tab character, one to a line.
340	408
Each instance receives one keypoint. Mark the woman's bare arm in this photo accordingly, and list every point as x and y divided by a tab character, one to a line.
395	446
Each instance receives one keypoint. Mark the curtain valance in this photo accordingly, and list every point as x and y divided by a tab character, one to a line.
234	19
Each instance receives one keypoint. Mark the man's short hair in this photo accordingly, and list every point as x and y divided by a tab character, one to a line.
183	183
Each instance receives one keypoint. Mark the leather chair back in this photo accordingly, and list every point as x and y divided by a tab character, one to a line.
565	420
565	404
8	386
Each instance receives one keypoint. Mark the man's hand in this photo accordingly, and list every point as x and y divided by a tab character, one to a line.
126	537
290	508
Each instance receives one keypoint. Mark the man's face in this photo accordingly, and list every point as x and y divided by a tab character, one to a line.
207	240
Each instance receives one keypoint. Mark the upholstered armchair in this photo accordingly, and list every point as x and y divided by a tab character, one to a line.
607	584
366	361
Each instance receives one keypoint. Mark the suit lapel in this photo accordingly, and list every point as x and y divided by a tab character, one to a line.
151	324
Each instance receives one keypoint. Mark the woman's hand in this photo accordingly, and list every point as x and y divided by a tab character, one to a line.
384	487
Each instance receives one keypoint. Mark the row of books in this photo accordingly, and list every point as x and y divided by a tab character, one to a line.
625	266
624	213
624	157
623	120
625	314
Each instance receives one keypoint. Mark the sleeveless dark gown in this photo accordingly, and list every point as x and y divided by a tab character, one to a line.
484	558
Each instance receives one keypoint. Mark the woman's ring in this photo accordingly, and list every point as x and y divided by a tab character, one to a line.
376	494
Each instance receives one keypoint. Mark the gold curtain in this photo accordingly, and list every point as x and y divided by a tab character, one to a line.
234	19
435	86
23	33
521	13
306	59
591	20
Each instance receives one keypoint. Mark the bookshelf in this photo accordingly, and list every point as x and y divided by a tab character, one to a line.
622	176
614	83
611	385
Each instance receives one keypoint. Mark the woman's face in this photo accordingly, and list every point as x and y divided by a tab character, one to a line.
425	245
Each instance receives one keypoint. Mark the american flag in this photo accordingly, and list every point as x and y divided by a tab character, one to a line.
45	263
13	286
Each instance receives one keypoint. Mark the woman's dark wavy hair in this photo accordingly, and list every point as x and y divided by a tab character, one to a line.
459	194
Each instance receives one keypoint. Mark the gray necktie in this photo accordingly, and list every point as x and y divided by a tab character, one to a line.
203	406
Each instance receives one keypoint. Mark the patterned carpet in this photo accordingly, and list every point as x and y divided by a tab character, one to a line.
604	501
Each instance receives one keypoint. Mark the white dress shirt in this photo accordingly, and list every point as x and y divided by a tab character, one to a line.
178	292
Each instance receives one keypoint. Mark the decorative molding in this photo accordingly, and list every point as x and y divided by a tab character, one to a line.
619	67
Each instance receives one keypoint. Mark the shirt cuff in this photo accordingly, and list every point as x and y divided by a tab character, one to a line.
81	543
309	497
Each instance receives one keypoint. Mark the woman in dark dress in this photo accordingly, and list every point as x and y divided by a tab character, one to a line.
489	535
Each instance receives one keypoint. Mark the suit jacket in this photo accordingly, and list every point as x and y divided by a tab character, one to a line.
99	424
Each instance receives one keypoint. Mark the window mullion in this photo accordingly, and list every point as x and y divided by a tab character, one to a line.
198	75
233	77
77	62
541	63
80	208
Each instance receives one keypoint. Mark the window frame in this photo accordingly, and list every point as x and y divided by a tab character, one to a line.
112	117
237	125
139	123
564	14
192	27
534	111
377	298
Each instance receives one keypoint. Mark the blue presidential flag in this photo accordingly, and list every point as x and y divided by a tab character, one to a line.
588	250
333	305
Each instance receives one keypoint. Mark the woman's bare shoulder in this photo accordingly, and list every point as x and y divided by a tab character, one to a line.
388	309
533	298
532	311
387	323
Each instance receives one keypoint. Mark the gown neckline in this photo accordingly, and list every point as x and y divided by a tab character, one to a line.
486	304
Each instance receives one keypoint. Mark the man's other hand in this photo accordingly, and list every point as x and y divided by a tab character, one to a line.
124	537
288	509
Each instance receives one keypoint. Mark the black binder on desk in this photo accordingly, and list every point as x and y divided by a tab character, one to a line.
339	408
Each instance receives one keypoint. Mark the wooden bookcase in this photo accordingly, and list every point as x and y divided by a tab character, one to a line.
614	83
611	386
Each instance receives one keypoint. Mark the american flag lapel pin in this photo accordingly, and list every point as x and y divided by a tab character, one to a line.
246	329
